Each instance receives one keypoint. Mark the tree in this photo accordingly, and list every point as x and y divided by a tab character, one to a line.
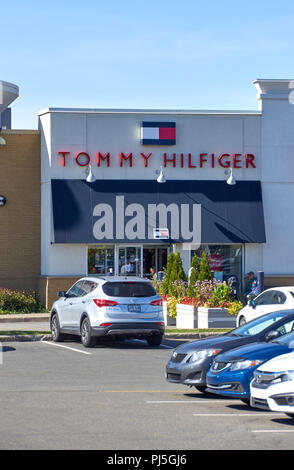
166	279
195	265
205	273
177	273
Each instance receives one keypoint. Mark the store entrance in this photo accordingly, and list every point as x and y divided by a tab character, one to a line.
129	260
154	258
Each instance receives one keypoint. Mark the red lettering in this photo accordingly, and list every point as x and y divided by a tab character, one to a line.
249	160
182	160
190	162
126	157
103	157
237	160
212	160
87	157
63	155
202	159
224	165
170	160
146	158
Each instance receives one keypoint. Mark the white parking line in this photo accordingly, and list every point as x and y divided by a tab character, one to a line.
233	414
66	347
272	430
161	346
188	401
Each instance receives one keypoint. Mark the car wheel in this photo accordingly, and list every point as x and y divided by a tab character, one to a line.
87	339
55	329
242	321
291	415
154	340
245	400
200	388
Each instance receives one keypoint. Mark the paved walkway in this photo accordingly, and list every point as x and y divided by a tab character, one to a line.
25	326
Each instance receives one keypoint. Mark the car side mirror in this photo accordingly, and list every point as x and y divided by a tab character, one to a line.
62	293
273	334
251	303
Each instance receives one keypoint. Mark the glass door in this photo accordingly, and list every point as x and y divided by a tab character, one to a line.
130	261
154	260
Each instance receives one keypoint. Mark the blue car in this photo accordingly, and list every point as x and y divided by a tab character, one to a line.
231	372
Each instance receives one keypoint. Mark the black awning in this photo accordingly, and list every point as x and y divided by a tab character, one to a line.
110	211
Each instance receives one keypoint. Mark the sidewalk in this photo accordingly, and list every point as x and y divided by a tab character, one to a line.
35	322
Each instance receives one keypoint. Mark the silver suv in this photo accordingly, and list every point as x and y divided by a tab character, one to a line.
119	307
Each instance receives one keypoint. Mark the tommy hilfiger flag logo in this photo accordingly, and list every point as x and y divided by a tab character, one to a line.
158	133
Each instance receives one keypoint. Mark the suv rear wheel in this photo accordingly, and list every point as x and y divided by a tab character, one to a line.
154	340
88	340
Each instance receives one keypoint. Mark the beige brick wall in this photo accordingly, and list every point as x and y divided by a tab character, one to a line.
20	218
50	286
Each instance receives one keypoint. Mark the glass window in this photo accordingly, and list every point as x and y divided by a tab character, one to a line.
89	286
288	340
101	261
128	289
279	297
129	261
259	324
266	298
76	290
225	261
286	328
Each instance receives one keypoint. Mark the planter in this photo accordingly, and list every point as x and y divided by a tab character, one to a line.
187	316
168	321
215	318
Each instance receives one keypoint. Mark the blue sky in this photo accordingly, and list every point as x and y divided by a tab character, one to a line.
133	54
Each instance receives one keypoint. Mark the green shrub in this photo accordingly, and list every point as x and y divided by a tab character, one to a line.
166	280
235	307
205	273
191	292
12	301
177	274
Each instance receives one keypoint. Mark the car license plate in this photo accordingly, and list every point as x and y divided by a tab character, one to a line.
134	308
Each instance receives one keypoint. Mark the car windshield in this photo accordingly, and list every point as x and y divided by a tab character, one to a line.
129	289
258	325
287	340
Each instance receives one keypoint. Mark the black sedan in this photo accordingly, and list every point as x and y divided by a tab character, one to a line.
190	362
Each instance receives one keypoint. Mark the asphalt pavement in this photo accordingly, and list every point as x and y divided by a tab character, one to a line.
63	396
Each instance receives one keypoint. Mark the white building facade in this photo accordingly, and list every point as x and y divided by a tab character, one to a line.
125	222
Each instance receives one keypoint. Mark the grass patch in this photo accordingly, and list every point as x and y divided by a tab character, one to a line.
10	312
198	330
23	332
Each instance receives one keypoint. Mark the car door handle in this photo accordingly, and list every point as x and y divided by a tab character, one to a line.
83	301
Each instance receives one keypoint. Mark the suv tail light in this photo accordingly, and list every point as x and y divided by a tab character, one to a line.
104	303
156	302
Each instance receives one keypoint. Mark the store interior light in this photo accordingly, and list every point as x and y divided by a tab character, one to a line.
161	177
231	179
90	177
2	201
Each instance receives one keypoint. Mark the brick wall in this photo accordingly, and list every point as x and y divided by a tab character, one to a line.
20	218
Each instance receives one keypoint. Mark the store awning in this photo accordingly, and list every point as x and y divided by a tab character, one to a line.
132	211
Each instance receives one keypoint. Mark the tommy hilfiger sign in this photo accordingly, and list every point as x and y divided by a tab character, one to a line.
174	160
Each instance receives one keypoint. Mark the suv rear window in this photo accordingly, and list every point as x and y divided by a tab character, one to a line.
128	289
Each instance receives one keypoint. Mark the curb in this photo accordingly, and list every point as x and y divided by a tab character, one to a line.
28	317
189	335
24	338
40	337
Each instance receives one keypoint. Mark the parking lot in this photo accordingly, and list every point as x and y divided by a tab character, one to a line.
63	396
